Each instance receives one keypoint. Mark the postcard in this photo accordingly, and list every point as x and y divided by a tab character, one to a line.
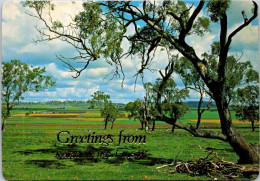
130	90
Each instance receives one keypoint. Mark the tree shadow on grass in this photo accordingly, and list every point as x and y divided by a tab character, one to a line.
47	164
91	155
221	149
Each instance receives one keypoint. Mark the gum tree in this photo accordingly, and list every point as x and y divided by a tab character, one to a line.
248	107
98	31
171	101
136	111
246	101
17	79
99	98
192	80
110	113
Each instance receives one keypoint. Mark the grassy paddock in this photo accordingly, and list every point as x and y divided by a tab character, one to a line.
30	146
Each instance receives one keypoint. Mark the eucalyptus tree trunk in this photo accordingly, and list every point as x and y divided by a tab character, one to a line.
4	123
199	112
174	124
153	124
5	117
112	124
142	125
147	126
245	151
253	125
106	123
198	121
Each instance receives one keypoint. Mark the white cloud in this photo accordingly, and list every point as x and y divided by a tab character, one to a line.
234	12
43	94
93	89
11	10
57	73
96	72
201	44
18	29
247	38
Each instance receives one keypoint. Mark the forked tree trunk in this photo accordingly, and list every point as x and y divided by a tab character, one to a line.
245	151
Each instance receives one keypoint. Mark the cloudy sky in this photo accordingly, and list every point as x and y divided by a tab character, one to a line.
18	33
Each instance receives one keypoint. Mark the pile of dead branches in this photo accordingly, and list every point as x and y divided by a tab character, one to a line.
212	166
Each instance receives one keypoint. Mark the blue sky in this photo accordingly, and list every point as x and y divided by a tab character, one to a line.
18	33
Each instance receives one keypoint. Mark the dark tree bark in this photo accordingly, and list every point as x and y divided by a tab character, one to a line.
174	124
173	127
105	123
198	111
142	125
112	124
198	121
4	123
153	125
253	125
6	116
245	151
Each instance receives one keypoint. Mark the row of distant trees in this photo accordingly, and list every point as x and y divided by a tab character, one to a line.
244	100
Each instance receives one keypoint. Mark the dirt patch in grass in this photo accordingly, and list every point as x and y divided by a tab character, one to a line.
94	119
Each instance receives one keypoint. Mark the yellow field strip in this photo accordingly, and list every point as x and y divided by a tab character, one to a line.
218	121
47	115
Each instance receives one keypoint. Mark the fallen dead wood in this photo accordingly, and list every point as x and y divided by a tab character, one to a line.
212	166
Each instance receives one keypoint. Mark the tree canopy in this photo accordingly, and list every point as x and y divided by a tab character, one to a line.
99	98
19	78
110	113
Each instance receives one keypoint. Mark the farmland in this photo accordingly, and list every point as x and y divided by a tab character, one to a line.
30	145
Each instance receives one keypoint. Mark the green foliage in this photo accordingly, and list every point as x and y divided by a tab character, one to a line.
110	113
103	32
57	25
201	26
175	110
38	5
217	8
92	104
238	74
135	110
171	93
98	98
173	105
184	68
19	78
247	103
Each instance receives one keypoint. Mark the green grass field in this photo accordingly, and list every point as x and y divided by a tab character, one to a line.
30	145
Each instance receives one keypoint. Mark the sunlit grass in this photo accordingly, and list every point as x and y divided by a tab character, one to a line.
29	152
